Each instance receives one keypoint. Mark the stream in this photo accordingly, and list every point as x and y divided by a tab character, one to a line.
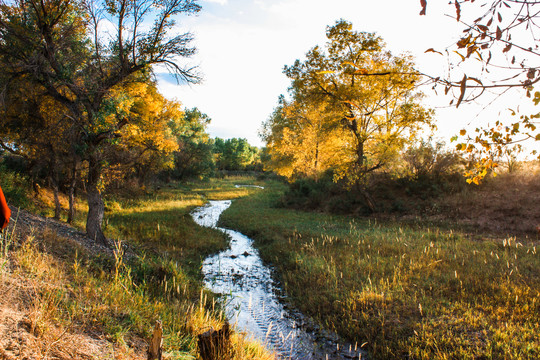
252	303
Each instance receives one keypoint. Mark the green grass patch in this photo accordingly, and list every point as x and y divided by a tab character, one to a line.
401	290
15	186
160	224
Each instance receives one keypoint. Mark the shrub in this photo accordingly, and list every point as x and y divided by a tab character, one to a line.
431	160
308	193
15	186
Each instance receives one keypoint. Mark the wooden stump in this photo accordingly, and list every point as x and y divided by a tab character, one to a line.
215	345
155	348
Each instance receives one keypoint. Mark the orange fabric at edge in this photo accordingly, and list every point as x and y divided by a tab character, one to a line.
5	212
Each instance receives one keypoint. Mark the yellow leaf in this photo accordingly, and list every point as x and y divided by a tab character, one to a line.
349	63
462	132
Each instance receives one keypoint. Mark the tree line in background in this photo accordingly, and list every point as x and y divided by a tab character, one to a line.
173	145
199	156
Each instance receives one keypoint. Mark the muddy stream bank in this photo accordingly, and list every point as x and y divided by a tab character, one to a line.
252	300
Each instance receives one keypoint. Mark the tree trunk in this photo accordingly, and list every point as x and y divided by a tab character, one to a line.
96	207
317	160
155	347
57	206
367	197
215	344
362	174
72	184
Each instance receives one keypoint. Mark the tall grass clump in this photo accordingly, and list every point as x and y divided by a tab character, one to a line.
6	240
401	291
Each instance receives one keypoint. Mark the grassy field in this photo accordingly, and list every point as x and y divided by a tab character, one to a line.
401	291
67	297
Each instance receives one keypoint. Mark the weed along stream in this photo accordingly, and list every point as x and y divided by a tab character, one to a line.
252	302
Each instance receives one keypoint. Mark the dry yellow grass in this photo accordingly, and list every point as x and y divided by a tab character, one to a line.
508	204
35	321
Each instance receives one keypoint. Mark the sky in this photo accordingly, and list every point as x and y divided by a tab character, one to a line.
243	46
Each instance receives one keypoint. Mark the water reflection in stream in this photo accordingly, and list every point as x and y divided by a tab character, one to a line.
251	300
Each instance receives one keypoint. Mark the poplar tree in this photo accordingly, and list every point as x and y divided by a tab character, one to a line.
372	96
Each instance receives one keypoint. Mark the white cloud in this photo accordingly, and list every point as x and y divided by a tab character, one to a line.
220	2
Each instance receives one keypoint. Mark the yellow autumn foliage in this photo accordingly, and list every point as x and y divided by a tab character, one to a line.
354	107
303	141
146	142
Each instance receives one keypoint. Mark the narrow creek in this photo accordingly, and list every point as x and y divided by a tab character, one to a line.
252	302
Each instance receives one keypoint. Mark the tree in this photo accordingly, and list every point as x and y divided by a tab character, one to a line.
194	157
60	46
146	144
234	154
35	125
373	94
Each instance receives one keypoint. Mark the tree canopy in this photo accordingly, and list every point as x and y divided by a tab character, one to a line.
362	100
234	154
195	157
60	48
303	139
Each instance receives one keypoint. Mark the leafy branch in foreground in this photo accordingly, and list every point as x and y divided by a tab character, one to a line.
497	51
501	35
